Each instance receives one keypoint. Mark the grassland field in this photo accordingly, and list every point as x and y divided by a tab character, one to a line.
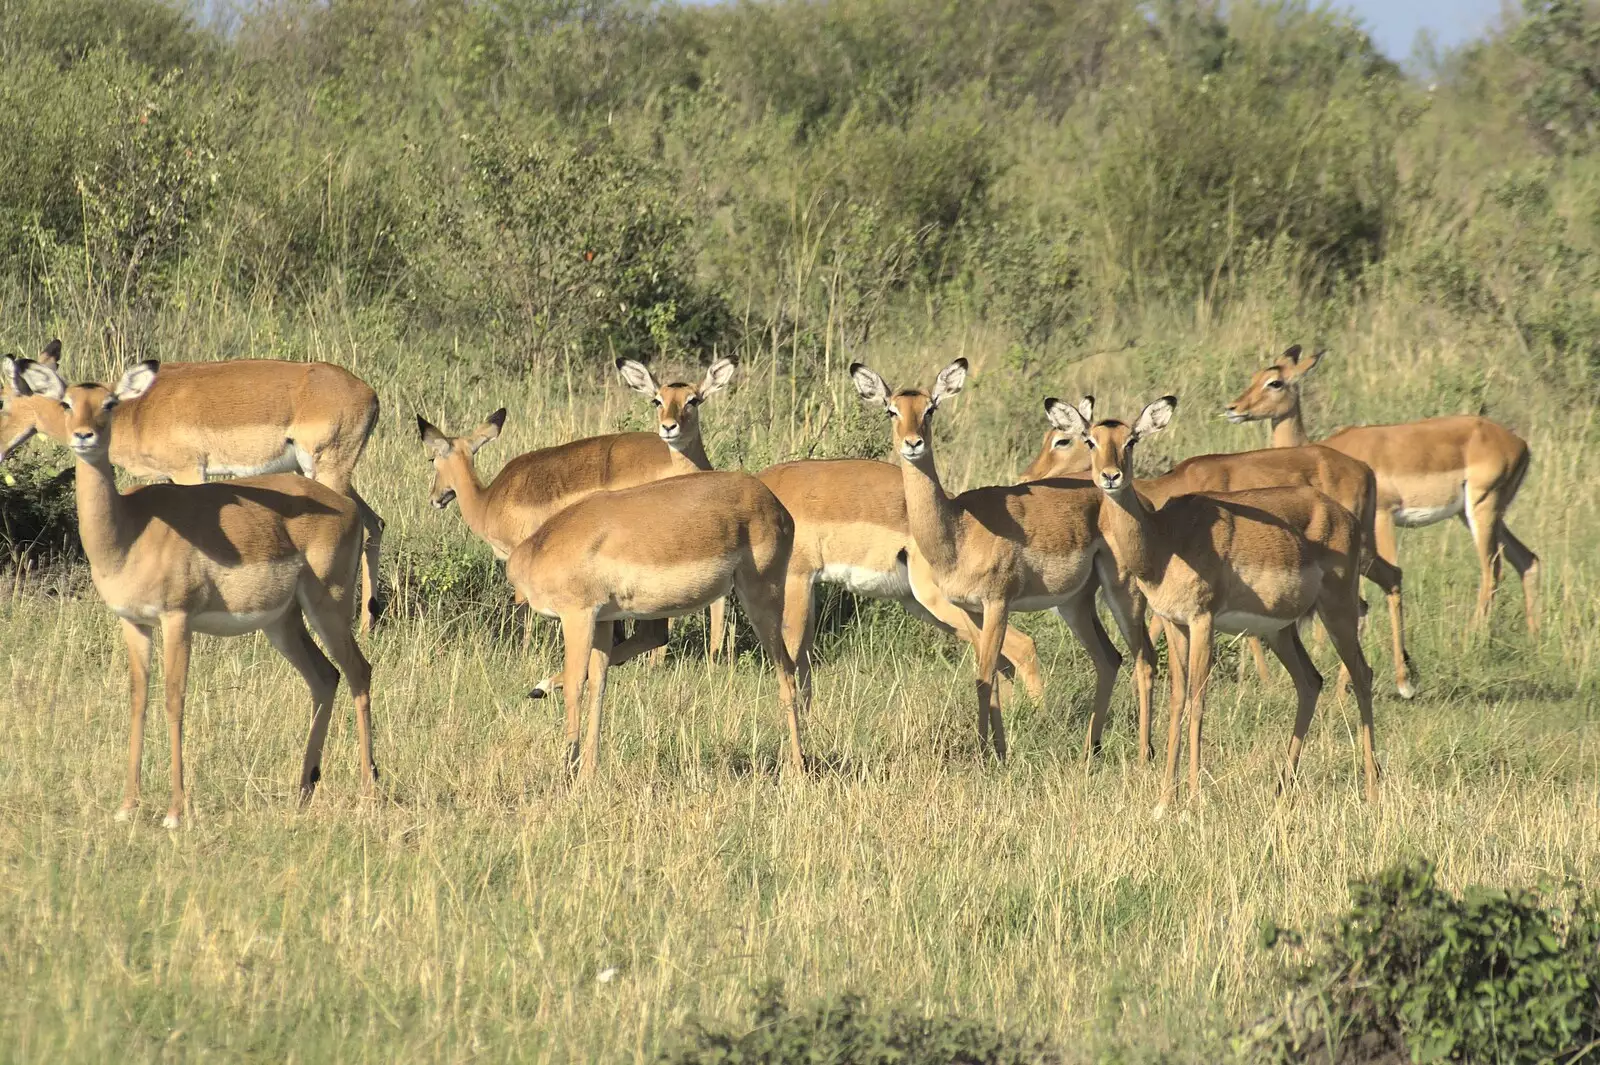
483	909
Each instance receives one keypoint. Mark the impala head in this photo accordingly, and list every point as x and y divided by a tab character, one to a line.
1063	454
677	404
1274	391
452	455
24	414
86	409
1110	443
910	409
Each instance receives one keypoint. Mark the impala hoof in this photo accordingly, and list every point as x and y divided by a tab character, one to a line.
171	821
1159	813
1407	690
123	815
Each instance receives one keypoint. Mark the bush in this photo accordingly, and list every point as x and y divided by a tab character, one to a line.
1560	42
584	249
1502	976
1214	147
38	512
846	1029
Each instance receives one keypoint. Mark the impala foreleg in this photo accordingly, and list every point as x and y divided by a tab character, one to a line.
176	647
138	642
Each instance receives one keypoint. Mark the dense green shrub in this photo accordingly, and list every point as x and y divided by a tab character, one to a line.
1491	975
38	511
584	249
1560	40
1216	146
847	1029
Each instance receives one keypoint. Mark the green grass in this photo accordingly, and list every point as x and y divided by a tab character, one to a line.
472	911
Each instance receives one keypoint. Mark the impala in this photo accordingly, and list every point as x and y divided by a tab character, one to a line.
1347	481
225	558
656	551
1008	548
1460	466
1254	562
533	487
850	530
233	419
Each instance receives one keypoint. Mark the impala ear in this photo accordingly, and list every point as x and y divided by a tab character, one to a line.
637	377
950	381
136	381
36	379
1155	417
432	439
869	386
1067	418
1293	363
1086	408
718	374
11	376
51	355
488	431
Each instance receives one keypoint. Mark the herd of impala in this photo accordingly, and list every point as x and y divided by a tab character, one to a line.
1250	543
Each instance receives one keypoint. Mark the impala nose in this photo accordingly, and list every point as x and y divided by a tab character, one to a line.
669	430
912	447
443	500
1111	480
82	440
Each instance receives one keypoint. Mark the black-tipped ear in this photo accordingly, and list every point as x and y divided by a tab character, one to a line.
498	418
50	355
1292	353
423	428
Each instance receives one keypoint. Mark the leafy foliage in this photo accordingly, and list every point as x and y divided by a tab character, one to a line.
1561	40
847	1029
1492	975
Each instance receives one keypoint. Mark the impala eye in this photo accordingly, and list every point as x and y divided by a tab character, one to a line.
656	401
694	401
1275	383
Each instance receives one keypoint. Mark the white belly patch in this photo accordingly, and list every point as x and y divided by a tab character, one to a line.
863	580
1416	517
292	460
223	623
1252	624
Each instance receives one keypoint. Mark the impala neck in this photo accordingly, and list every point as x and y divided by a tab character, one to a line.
932	515
101	510
1289	430
691	451
1130	531
471	498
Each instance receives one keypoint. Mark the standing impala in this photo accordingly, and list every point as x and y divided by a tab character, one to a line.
1458	466
850	530
533	487
225	558
236	419
1256	561
656	551
1008	548
1347	481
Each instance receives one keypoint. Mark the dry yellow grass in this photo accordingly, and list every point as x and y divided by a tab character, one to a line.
486	909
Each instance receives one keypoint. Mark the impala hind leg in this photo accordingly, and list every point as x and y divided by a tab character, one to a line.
718	636
329	616
599	666
1526	563
990	639
372	525
1018	656
762	597
1128	609
1177	671
1482	519
577	637
1084	622
648	635
1259	656
1200	653
290	639
1291	651
176	647
1384	571
800	626
1339	618
138	642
